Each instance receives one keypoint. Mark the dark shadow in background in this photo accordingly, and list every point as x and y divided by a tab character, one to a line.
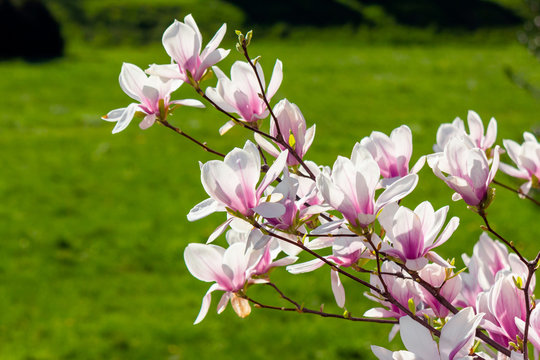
29	31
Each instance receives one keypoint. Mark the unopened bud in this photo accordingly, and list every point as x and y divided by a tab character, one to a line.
241	306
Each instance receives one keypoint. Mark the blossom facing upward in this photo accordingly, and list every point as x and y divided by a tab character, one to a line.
527	159
467	167
240	93
293	129
393	153
149	91
350	188
182	42
232	183
414	234
476	132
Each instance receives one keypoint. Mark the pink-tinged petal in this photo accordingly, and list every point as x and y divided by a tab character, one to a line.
181	42
416	264
169	71
272	173
214	43
132	79
207	299
226	127
114	115
211	59
148	121
188	102
286	261
491	134
378	313
437	259
457	336
402	140
204	208
310	135
476	128
219	230
305	267
327	228
275	81
513	150
190	21
417	339
337	288
397	190
125	118
223	302
235	265
419	165
494	165
382	353
204	261
266	145
269	210
525	188
446	233
220	182
509	170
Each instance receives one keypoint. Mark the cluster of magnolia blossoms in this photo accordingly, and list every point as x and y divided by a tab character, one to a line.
348	217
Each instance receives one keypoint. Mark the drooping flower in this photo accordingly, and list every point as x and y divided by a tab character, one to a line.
476	132
467	167
351	187
228	269
414	234
527	159
183	42
392	153
149	91
240	93
456	341
293	129
232	183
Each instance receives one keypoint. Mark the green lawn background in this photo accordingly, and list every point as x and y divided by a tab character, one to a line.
93	226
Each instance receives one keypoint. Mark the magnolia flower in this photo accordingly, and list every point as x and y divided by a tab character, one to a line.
448	285
149	92
527	159
241	93
476	132
456	341
502	304
183	42
346	251
413	234
392	153
229	269
293	129
467	167
351	187
488	258
232	183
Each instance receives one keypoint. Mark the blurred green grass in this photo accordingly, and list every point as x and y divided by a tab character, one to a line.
93	226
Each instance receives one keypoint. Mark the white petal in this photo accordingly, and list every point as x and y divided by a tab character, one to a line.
269	210
305	267
397	190
275	81
189	102
126	118
337	288
207	299
417	339
132	79
274	171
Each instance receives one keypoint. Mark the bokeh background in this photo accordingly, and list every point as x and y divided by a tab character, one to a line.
93	225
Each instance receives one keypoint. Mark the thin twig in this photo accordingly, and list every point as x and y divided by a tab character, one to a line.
203	145
517	192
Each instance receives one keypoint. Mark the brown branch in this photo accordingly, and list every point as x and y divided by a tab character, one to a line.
178	131
517	192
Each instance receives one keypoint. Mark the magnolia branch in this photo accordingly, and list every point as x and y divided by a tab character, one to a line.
517	192
203	145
